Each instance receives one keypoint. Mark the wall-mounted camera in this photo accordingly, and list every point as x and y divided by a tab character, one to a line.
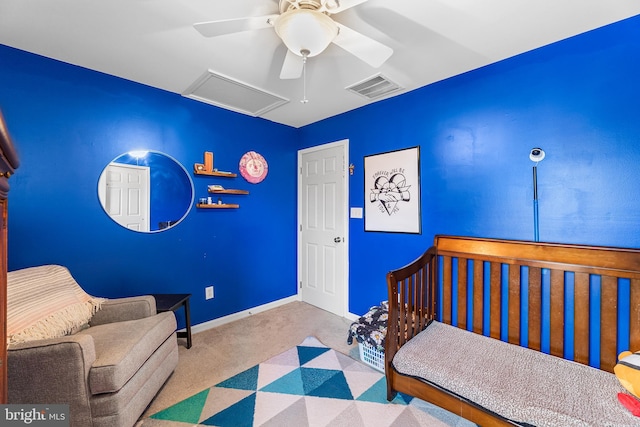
536	155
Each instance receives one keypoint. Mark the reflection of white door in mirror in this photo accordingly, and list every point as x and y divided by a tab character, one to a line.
160	204
124	191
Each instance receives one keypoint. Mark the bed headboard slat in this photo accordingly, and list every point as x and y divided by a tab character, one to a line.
495	296
446	296
581	318
514	305
634	315
557	313
462	293
609	322
534	308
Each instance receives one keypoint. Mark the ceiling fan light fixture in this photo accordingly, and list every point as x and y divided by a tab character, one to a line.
305	29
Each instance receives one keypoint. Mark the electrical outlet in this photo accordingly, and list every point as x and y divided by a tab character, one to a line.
208	292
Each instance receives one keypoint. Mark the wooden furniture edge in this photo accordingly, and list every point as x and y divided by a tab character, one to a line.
449	401
213	173
599	259
218	206
9	162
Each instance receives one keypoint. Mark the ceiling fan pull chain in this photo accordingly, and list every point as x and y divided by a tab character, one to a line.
304	53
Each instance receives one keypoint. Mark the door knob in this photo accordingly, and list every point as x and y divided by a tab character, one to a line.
337	240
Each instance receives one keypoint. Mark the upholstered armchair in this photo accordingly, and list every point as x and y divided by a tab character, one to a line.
106	358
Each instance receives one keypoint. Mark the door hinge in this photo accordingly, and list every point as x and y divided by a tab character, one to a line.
301	284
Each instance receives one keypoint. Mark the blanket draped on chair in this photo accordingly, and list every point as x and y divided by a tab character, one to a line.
46	302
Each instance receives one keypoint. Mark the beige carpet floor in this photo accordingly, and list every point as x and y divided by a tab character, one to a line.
223	351
219	353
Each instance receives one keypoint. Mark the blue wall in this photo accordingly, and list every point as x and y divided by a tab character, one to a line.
577	99
69	123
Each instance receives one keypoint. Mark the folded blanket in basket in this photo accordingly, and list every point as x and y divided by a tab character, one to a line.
371	328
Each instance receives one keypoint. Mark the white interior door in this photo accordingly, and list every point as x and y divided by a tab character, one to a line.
124	191
323	219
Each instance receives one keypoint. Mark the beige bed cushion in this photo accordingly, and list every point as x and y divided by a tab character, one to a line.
520	384
46	302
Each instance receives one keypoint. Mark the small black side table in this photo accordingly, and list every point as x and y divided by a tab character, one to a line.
172	302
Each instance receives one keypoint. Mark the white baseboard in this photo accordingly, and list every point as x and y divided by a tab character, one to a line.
352	317
200	327
240	315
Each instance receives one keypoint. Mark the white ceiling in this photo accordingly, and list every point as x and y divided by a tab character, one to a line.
153	42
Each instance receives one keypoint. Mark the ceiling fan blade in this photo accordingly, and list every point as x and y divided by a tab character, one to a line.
229	26
337	6
365	48
292	66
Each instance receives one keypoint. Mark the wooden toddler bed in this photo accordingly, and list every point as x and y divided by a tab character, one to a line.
474	325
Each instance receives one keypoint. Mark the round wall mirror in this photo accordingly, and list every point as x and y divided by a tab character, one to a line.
145	191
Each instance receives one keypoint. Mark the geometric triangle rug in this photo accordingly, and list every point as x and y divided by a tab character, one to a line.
308	385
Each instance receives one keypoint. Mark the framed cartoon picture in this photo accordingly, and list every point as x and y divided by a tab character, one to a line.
392	191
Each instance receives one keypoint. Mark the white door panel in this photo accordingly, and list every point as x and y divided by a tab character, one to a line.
124	191
323	251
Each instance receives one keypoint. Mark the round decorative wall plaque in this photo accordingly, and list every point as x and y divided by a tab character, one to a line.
253	167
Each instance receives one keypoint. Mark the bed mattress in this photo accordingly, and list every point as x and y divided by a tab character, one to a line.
520	384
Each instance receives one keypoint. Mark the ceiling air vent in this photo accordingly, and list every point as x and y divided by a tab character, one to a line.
222	91
374	87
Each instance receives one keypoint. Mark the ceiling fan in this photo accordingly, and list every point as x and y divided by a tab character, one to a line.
306	27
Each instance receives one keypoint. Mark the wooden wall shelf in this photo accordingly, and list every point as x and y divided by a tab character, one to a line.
216	206
222	174
228	191
207	169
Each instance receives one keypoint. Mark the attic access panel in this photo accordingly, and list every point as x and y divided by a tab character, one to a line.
222	91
